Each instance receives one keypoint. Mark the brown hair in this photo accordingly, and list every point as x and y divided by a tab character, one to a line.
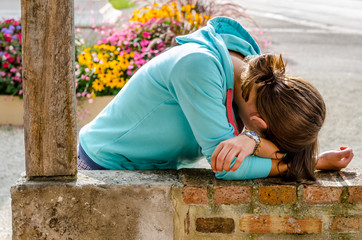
293	110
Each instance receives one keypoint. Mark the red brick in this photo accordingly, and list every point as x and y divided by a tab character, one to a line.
322	194
355	194
195	195
279	224
347	224
277	194
215	225
232	194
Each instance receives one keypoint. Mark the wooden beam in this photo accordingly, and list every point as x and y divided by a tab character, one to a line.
49	88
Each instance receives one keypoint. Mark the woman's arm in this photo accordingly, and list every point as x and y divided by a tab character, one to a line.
330	160
268	150
240	147
335	159
277	168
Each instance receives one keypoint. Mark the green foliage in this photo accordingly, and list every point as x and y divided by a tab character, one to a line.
121	4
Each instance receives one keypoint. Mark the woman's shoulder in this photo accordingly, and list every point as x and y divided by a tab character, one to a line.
195	52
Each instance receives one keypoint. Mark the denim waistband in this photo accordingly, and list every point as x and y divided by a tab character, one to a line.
88	160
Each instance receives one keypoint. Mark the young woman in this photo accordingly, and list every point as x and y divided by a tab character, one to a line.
195	100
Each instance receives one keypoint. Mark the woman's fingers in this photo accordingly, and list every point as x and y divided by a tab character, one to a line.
230	157
221	158
239	160
347	157
214	156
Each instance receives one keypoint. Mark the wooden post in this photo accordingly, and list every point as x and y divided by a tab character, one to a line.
49	89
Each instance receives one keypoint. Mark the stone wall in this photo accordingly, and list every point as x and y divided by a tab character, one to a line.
187	204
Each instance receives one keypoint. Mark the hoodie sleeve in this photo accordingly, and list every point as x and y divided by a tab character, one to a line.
251	168
197	84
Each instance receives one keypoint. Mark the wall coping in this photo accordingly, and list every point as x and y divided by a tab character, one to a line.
348	177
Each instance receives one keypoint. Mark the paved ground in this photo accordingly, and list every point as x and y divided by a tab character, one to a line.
322	42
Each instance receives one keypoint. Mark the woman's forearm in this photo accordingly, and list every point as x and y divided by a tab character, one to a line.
268	150
277	168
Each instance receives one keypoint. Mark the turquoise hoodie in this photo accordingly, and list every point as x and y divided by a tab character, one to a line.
172	111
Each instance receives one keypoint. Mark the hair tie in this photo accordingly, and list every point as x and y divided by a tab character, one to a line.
268	79
272	79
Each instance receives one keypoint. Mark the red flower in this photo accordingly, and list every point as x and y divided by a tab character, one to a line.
11	59
7	37
5	64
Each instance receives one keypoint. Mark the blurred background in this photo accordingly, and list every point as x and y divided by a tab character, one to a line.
321	40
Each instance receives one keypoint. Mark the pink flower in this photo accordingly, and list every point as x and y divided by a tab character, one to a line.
144	43
146	34
15	23
21	92
13	70
82	77
6	54
90	100
87	78
11	59
129	72
5	64
160	45
87	70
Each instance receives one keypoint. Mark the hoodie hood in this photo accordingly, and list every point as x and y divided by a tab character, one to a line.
220	35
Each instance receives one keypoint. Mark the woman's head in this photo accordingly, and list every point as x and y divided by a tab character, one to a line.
292	109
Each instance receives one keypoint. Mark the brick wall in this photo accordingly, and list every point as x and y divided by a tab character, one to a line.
207	208
186	204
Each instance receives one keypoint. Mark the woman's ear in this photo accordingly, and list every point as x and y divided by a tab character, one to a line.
259	122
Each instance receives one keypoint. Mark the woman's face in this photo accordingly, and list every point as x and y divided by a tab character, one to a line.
247	111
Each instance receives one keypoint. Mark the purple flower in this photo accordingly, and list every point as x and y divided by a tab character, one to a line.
3	29
11	27
7	31
1	53
18	27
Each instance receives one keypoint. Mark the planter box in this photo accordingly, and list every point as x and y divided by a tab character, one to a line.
11	110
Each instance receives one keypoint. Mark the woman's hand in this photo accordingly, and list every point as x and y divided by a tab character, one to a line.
335	159
240	147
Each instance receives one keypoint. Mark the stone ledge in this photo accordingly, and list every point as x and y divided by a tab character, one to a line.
180	204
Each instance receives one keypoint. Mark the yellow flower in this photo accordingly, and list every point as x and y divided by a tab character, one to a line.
112	83
98	85
119	82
